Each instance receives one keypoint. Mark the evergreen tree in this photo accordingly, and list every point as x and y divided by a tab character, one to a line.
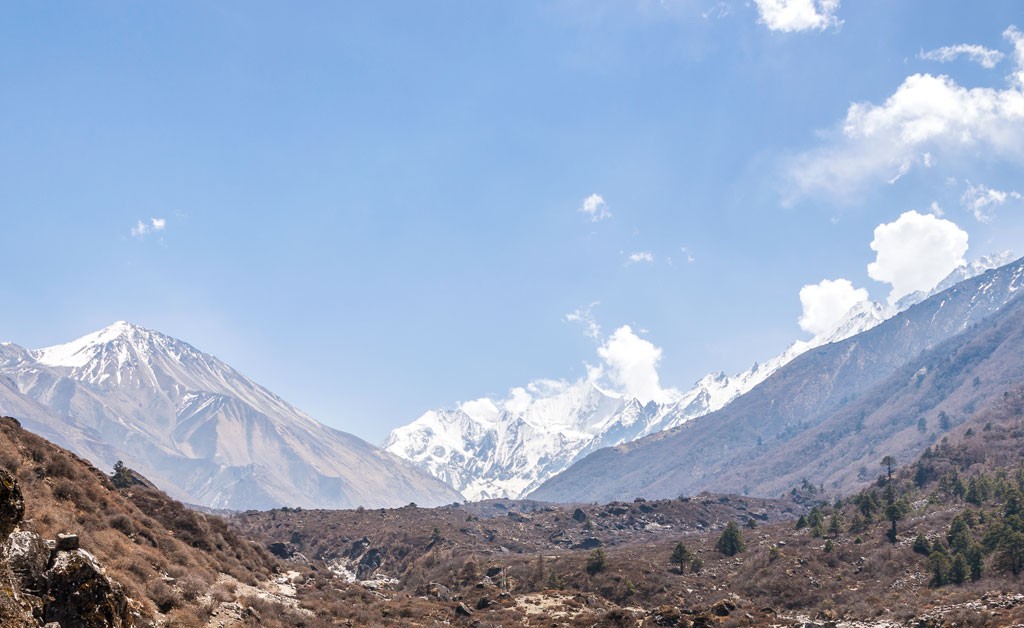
958	569
122	476
1010	551
938	564
681	556
835	524
731	541
893	512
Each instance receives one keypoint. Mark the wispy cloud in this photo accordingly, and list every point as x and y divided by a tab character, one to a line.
798	15
985	57
143	228
981	200
595	207
638	257
927	118
585	316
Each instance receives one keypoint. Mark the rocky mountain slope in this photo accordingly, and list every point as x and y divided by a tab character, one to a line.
198	428
812	559
830	411
509	447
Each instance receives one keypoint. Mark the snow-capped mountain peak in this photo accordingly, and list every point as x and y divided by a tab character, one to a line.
501	448
197	427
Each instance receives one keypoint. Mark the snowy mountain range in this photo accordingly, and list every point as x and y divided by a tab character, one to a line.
508	447
198	428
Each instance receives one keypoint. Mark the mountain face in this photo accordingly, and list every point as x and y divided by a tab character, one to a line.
507	448
198	428
834	411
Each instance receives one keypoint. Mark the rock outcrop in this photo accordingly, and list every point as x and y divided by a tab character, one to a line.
51	581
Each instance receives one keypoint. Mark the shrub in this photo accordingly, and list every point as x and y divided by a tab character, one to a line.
597	562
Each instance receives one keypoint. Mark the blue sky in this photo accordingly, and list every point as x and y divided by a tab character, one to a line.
377	208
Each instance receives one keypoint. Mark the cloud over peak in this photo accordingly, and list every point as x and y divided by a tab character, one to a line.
915	252
632	366
826	302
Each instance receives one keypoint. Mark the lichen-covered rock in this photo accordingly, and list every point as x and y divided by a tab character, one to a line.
12	504
28	555
81	596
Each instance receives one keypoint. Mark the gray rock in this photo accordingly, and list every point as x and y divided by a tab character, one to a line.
28	555
67	542
81	596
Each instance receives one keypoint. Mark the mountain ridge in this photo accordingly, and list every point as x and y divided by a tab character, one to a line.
199	428
731	449
510	453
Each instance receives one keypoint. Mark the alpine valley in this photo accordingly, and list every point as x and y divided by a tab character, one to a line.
508	448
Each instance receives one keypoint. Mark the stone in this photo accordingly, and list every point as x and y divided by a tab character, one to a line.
722	608
28	555
590	542
439	592
579	515
463	610
81	596
67	542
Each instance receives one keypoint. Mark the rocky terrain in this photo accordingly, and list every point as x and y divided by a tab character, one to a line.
816	558
123	554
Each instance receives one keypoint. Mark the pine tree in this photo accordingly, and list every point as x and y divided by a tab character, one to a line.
731	541
681	556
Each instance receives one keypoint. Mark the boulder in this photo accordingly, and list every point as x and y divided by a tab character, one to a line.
591	542
28	555
80	595
722	608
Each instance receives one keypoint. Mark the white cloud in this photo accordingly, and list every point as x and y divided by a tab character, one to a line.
632	366
641	256
143	228
595	207
826	302
798	15
936	209
915	252
981	200
985	57
927	118
585	316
